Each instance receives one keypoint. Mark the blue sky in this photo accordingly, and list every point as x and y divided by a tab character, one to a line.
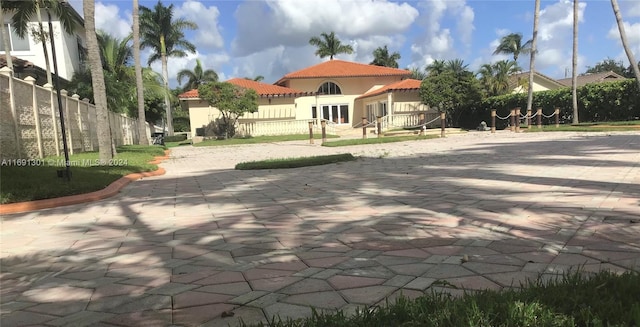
270	38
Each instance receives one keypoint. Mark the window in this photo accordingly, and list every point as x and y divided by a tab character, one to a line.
17	43
329	88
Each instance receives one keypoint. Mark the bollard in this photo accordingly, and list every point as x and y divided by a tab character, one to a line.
517	119
421	120
442	123
310	132
324	131
493	120
528	118
539	113
513	122
379	125
364	127
557	112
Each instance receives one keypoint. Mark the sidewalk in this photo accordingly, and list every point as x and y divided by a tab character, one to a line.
206	245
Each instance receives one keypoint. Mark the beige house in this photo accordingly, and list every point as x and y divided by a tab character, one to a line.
592	78
519	82
340	92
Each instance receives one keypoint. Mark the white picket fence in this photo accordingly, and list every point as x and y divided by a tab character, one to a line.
282	127
33	130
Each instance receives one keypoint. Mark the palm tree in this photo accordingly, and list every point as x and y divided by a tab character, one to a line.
142	124
532	50
625	43
456	66
574	64
488	79
23	12
495	77
436	67
258	78
97	77
381	57
197	76
417	73
512	44
165	36
329	45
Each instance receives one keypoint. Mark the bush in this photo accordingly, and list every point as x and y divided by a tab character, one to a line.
175	138
609	101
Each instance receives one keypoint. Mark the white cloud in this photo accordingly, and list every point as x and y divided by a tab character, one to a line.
292	23
110	20
207	35
437	42
632	30
213	61
633	10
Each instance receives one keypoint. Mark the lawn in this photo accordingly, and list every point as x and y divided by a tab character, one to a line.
614	126
37	179
379	140
604	299
295	162
262	139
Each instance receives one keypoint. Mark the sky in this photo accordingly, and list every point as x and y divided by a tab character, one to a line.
271	38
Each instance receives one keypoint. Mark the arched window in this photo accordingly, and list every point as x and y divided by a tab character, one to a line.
329	88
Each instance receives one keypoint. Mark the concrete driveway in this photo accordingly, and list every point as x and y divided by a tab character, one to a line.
208	245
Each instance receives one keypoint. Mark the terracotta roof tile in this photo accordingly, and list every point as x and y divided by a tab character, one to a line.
404	85
262	89
340	68
592	78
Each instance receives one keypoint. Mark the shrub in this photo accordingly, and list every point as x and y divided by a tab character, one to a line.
175	138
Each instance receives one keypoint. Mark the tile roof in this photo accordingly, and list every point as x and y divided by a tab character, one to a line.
17	62
593	78
403	85
340	68
262	89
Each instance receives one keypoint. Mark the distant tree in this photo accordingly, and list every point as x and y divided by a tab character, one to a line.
196	77
436	67
457	67
450	93
417	73
629	71
232	102
329	45
494	78
258	78
607	65
382	57
512	44
625	43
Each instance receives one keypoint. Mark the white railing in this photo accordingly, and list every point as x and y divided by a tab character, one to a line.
282	127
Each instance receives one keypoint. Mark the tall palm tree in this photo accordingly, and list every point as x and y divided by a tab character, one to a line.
532	51
329	45
165	36
381	57
456	66
436	67
197	76
99	93
24	12
512	44
417	73
625	43
488	79
142	124
495	77
258	78
574	64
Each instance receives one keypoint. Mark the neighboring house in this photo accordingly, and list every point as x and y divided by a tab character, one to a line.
593	78
519	82
70	48
24	68
340	92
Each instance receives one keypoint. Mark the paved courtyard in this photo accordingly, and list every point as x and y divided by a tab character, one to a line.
205	245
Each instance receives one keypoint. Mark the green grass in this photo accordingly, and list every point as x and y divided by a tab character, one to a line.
614	126
262	139
176	144
604	299
295	162
378	140
39	179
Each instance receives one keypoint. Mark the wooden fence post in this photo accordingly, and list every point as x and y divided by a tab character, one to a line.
517	119
528	118
310	132
379	125
557	112
539	114
493	120
324	131
443	123
513	121
421	120
364	127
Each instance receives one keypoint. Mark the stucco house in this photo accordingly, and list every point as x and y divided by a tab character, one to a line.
69	47
585	79
518	83
340	92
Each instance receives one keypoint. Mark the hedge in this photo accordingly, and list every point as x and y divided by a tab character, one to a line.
608	101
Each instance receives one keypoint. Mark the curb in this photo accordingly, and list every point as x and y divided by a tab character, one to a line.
109	191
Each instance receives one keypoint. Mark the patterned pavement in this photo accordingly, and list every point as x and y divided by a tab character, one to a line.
205	245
